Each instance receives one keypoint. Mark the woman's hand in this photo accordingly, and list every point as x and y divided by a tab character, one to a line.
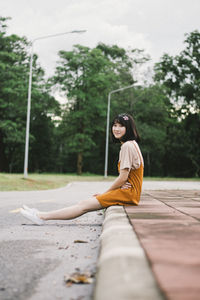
96	195
126	185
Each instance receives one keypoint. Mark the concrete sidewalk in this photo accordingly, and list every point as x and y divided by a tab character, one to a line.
158	257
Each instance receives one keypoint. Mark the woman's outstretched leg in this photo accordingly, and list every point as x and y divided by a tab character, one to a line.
73	211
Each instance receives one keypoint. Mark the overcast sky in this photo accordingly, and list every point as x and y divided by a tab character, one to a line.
157	26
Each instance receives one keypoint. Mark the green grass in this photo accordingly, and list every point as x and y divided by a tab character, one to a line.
16	182
170	179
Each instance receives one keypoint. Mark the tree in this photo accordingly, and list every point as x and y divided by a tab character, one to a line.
182	158
181	74
14	71
13	74
87	75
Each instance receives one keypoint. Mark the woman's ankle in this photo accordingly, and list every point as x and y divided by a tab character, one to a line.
43	216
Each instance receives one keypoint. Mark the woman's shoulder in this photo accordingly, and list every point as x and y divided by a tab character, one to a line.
128	144
129	147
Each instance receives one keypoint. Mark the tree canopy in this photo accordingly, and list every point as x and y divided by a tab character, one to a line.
181	74
87	76
180	77
166	112
14	71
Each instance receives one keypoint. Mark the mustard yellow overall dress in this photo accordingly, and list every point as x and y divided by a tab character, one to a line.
130	196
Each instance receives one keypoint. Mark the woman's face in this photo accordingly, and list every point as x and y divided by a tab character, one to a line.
118	130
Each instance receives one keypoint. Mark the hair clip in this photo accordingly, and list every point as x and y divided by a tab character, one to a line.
125	118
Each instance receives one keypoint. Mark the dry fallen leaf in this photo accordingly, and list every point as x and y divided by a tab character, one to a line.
77	269
78	278
60	248
80	241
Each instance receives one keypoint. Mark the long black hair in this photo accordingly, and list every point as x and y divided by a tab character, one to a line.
127	121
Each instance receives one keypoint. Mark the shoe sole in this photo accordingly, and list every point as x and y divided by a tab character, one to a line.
36	220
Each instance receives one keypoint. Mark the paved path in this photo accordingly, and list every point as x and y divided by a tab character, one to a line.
167	224
159	258
171	185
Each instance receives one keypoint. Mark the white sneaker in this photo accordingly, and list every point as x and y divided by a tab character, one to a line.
32	216
30	209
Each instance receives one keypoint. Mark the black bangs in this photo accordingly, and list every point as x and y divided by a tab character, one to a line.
127	121
119	119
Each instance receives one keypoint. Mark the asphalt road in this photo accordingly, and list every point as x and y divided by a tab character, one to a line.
34	259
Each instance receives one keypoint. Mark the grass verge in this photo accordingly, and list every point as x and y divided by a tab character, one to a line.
170	179
16	182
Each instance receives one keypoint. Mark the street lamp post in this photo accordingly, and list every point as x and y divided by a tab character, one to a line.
29	95
107	127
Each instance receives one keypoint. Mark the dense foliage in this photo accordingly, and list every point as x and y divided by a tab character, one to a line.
166	112
87	75
180	77
14	71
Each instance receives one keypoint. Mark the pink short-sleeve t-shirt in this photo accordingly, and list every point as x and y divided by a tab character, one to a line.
130	156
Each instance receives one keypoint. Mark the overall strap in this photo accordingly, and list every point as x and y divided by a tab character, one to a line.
140	156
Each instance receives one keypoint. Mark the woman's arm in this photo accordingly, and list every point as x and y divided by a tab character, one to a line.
120	180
